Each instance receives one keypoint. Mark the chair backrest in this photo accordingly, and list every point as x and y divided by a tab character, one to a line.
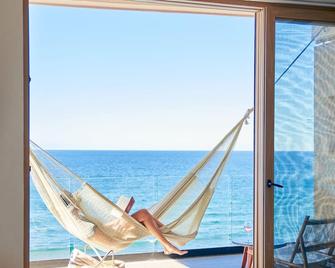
315	235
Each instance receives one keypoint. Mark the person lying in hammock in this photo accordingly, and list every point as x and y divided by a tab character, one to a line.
153	225
143	216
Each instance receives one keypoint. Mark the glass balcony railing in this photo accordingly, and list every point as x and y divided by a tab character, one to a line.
147	176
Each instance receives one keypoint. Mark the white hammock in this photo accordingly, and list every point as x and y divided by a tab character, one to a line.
83	210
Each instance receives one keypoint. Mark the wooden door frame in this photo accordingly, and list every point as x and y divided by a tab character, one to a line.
264	199
253	7
263	124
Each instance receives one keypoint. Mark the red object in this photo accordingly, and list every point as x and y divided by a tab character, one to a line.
130	204
248	257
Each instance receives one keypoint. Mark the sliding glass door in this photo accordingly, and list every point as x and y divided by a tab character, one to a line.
304	144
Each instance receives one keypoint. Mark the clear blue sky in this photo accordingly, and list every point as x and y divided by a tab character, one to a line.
106	79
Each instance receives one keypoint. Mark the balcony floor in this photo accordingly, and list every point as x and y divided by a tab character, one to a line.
222	261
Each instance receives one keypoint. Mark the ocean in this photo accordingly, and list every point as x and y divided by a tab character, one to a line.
147	176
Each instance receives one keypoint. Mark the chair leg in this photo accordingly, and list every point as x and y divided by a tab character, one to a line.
244	257
250	257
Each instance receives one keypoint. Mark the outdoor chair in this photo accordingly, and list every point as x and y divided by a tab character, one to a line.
314	245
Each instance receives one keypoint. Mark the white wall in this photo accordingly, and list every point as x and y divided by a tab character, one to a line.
11	133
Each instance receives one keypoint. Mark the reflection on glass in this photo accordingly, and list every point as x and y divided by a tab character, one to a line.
304	143
248	229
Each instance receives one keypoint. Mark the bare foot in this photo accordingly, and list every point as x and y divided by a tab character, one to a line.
174	250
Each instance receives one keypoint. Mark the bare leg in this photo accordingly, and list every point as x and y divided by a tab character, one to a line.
159	224
143	216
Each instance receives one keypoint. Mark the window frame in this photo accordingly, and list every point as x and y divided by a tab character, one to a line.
265	17
289	12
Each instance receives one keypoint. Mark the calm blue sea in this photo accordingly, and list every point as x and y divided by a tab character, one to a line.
148	175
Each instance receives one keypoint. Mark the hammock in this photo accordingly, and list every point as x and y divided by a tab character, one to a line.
82	210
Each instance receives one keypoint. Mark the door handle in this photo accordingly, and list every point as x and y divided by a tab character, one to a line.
270	184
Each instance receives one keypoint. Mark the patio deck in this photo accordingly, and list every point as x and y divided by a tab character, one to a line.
221	261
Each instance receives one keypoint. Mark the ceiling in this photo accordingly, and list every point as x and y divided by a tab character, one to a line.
191	6
302	2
